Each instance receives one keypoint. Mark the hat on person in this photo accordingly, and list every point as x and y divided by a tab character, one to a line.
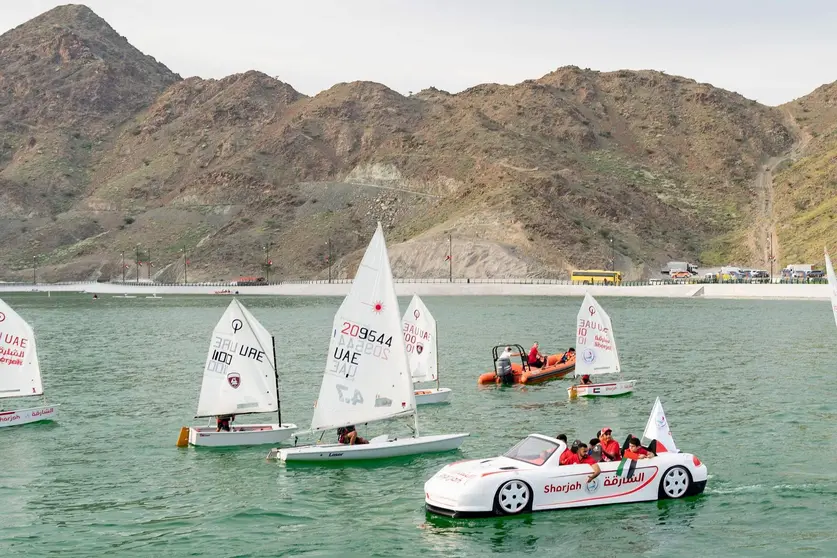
607	429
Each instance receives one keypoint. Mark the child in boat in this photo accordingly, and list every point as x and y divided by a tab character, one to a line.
348	435
567	356
223	422
585	379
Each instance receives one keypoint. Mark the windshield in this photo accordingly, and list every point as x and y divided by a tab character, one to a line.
532	450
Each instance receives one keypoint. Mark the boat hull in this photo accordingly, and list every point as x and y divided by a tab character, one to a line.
552	371
27	416
375	449
609	389
432	396
245	435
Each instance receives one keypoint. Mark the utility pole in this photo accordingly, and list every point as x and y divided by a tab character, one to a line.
770	254
148	258
329	259
123	267
612	256
450	258
185	265
34	270
266	248
137	262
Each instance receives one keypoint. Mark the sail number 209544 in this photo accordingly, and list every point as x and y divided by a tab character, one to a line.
354	330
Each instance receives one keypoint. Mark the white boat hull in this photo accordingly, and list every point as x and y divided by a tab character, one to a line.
432	396
245	435
375	449
26	416
609	389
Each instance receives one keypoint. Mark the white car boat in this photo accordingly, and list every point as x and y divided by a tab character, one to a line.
528	478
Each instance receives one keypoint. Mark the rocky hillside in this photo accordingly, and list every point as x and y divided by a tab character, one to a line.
104	149
806	188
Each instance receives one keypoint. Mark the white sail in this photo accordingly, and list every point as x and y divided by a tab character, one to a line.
419	329
239	376
20	373
832	284
658	428
367	376
594	342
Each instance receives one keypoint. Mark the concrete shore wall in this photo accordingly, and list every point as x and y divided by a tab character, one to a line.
736	291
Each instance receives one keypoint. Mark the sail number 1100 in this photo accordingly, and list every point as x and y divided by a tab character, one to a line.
355	330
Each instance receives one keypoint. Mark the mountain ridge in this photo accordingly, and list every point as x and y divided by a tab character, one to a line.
531	179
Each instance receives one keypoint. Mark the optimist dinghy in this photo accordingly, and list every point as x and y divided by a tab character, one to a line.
239	378
596	353
20	371
422	352
367	375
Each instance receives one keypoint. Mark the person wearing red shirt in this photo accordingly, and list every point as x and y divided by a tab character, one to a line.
536	359
636	451
610	447
570	455
585	459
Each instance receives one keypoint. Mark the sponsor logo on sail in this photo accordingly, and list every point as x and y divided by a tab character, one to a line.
419	348
234	378
589	356
661	421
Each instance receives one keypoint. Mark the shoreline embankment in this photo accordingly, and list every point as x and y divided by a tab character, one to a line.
707	290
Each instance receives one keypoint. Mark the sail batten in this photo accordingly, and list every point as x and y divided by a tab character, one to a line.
367	376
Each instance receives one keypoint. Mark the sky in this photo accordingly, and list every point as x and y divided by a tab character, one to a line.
772	51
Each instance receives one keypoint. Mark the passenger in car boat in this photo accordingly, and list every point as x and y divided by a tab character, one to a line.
222	422
636	451
570	455
536	359
348	435
595	451
585	459
610	447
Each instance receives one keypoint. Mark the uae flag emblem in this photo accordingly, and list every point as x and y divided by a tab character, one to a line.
626	468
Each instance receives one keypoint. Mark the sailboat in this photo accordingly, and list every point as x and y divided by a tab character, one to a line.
832	284
596	353
367	375
657	428
240	377
20	371
419	329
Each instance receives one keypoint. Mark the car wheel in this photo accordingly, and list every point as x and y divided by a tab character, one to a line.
675	483
513	497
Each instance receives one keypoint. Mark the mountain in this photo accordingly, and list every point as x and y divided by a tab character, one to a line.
806	186
106	152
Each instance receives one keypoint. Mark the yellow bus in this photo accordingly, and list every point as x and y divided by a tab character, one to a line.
596	276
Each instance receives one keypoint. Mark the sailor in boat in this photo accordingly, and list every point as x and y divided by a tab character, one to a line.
585	379
223	422
536	359
348	435
569	354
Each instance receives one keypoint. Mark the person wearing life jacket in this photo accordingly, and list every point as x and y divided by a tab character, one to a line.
570	354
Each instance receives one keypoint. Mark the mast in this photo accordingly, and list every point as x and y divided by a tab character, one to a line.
276	373
436	352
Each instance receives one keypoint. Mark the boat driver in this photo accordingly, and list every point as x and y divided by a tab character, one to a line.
536	359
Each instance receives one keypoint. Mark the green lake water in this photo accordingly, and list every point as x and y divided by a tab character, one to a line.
748	386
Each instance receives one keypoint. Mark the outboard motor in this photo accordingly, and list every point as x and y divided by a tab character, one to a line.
504	371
